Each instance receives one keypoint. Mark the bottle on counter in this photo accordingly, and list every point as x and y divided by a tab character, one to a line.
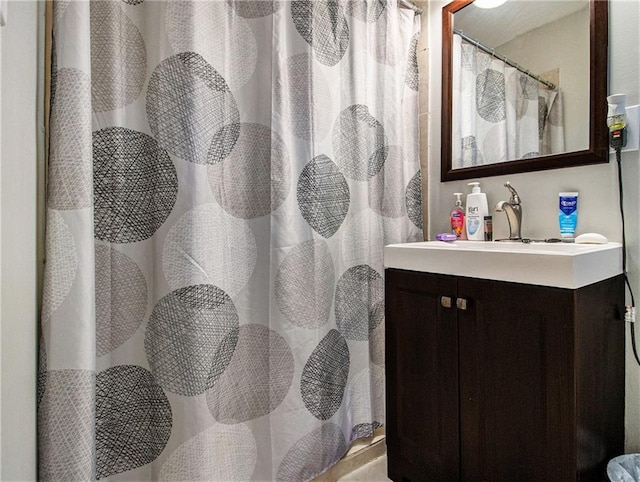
477	209
457	218
488	228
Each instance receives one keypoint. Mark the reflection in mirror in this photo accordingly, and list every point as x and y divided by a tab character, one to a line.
501	111
519	88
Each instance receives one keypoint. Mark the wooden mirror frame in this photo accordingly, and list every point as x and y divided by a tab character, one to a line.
598	151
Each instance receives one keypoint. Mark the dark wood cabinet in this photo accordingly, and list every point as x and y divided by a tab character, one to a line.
497	381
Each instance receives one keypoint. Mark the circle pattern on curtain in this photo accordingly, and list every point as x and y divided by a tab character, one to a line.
70	175
412	76
311	453
359	302
255	8
324	377
367	413
323	196
413	199
121	298
118	58
323	25
135	185
359	142
304	284
256	177
303	98
386	189
257	378
133	419
191	111
62	264
67	418
366	11
220	452
218	34
183	335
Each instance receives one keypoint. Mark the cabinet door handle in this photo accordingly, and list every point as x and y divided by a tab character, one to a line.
445	301
461	303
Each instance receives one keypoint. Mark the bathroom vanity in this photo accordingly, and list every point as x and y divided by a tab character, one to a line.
504	362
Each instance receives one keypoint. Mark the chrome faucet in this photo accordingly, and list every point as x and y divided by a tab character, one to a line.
513	210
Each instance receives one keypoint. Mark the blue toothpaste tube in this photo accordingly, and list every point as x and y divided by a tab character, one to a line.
568	213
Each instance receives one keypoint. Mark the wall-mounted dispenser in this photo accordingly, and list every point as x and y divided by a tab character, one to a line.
623	123
617	120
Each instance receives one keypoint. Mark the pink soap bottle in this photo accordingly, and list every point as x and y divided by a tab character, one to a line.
457	218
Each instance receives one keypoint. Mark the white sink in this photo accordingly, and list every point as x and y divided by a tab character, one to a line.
563	265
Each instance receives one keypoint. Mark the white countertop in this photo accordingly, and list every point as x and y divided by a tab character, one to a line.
562	265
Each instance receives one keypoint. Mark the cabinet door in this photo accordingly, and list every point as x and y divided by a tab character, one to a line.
422	377
516	382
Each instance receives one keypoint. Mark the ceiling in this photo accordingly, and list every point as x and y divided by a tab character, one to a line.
496	26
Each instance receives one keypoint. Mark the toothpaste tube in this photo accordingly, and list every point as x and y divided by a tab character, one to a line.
568	213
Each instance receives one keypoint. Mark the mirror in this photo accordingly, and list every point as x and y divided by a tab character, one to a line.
496	61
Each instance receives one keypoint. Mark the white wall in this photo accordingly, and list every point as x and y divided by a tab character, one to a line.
18	240
598	202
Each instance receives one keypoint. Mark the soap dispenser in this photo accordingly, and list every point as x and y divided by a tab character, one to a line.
457	218
477	209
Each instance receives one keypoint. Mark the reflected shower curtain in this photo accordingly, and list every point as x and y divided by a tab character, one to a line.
223	177
500	113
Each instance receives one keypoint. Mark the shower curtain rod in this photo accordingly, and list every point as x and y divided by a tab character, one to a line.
408	4
506	60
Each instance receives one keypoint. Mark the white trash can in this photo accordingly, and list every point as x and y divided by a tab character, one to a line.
624	468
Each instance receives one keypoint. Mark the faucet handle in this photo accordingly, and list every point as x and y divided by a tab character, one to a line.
515	199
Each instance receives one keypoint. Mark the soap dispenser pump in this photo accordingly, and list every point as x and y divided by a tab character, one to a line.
477	209
457	218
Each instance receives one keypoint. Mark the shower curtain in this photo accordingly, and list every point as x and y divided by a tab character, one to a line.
500	113
223	176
